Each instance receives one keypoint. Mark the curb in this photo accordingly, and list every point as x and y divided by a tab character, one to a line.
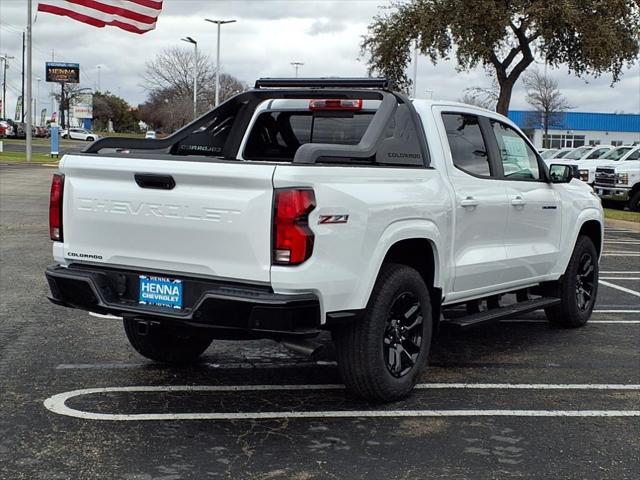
633	226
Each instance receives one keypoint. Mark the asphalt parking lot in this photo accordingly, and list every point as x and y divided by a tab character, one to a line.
519	399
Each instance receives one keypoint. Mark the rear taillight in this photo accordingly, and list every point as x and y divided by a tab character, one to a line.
292	237
55	208
345	104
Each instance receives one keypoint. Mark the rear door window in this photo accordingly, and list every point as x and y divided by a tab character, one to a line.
277	135
468	149
519	161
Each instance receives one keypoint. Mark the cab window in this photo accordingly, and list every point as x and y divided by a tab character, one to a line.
519	161
467	145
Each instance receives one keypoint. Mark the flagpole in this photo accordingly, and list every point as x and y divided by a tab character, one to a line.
29	100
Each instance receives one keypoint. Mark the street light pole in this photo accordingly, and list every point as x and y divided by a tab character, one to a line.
35	102
98	67
5	58
195	75
218	23
29	79
297	65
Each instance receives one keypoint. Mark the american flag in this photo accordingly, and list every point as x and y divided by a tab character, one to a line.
136	16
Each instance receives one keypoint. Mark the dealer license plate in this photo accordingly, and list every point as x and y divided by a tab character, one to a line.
160	291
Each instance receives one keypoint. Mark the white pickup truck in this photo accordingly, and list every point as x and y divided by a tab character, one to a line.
323	204
618	182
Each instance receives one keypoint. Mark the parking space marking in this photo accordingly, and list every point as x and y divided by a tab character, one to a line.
536	320
620	254
619	278
57	403
618	287
616	311
624	242
620	273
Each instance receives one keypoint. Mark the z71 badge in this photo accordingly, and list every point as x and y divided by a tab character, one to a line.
333	219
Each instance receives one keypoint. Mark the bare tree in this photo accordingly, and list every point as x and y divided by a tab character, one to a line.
485	97
548	102
169	81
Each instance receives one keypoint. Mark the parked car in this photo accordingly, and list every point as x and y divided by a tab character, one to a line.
335	204
547	153
6	129
41	132
560	153
79	134
150	134
585	160
618	182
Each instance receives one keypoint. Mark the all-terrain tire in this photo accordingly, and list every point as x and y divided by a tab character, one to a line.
578	287
634	203
174	346
364	348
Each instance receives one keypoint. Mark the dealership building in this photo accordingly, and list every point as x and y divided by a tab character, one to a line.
575	129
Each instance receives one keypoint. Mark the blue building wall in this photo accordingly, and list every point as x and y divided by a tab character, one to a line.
604	122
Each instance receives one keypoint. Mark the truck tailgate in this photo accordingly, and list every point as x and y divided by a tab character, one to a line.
215	221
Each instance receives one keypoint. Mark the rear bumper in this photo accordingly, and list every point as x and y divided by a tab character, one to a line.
612	193
255	311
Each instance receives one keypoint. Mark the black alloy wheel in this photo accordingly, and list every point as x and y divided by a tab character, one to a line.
585	282
403	334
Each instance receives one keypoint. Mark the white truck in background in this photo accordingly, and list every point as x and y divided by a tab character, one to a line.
618	182
323	204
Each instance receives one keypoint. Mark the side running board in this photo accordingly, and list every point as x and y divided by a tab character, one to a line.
496	314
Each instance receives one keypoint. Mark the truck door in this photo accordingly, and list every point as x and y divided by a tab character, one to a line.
534	219
480	204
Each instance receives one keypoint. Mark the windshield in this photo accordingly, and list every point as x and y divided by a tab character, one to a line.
578	153
548	153
616	154
561	154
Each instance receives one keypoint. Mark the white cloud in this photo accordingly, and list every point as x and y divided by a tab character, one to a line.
268	35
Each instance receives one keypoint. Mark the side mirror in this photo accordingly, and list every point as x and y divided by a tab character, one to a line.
562	173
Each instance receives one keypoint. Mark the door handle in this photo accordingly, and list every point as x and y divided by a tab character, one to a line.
469	202
157	182
518	201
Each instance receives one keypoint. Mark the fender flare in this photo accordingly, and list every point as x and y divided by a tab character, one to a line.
590	214
394	233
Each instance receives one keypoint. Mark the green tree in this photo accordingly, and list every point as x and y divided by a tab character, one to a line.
588	36
107	106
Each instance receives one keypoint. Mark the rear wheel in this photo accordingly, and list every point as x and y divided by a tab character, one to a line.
381	356
578	287
166	345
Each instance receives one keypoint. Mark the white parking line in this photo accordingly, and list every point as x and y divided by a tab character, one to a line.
535	320
620	273
619	278
620	254
57	403
618	287
616	311
622	242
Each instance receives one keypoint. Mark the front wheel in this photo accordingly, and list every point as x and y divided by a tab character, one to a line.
578	287
380	357
161	344
90	139
634	203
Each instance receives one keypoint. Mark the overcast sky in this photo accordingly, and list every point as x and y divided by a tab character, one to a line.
267	37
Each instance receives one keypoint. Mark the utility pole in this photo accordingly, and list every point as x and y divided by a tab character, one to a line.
5	58
29	82
297	65
22	75
195	75
99	77
415	70
219	23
